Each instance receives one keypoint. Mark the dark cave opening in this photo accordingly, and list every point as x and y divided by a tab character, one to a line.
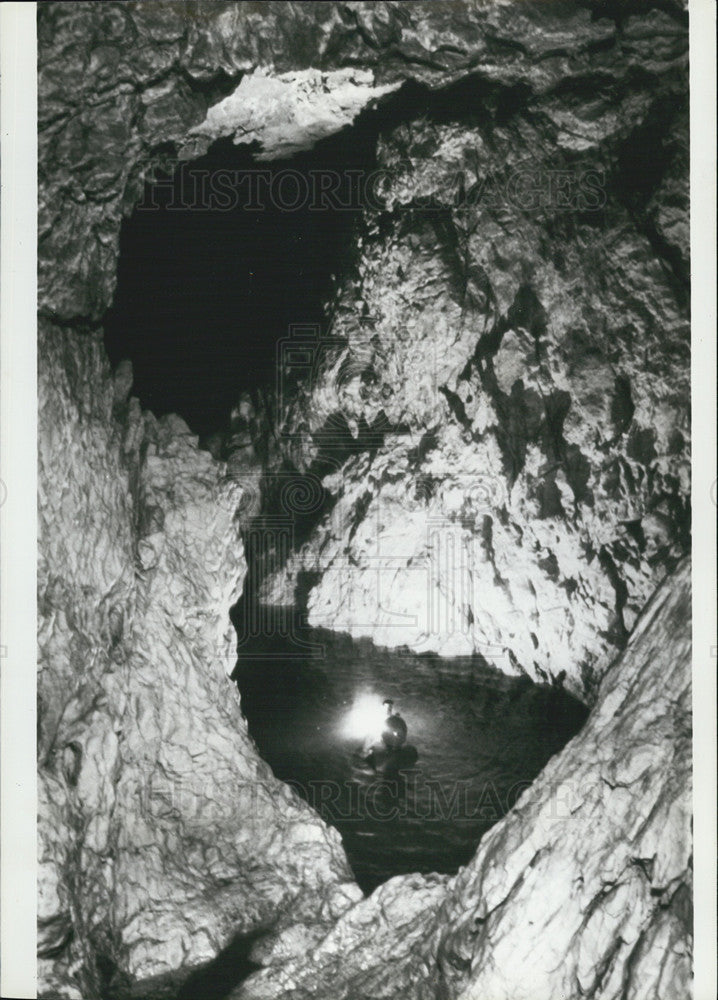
219	260
224	253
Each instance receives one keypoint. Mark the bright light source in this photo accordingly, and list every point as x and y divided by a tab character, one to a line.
366	718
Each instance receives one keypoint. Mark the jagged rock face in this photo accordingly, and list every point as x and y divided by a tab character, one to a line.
121	84
584	889
162	833
516	336
541	354
290	113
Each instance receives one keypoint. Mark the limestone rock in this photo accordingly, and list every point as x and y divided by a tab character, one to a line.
162	834
523	382
121	84
291	112
371	951
583	889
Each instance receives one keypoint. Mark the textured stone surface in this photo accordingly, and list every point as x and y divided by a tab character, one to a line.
524	370
515	340
582	890
289	113
119	84
162	833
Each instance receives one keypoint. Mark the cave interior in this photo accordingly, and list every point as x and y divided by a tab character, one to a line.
208	286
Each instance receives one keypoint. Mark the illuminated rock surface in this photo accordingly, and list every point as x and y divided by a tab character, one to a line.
162	832
584	889
525	371
291	112
517	347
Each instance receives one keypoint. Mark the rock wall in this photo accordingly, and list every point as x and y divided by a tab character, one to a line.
162	833
583	890
515	340
541	353
120	85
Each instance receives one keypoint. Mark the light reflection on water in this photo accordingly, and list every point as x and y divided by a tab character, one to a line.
481	738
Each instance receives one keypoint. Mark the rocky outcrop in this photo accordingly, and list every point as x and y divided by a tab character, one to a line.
510	368
290	113
162	833
514	344
515	340
121	85
582	890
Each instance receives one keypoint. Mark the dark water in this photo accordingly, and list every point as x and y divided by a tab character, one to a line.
481	739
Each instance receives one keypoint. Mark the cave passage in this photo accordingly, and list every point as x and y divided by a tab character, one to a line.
481	737
222	254
219	259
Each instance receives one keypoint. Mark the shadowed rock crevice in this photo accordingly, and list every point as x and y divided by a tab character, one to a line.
220	976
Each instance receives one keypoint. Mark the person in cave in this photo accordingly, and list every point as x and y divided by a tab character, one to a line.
378	752
394	733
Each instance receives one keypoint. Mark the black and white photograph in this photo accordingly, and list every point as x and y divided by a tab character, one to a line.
365	513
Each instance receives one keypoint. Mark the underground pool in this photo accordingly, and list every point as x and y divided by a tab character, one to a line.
481	738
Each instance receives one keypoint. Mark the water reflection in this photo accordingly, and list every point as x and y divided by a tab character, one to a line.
481	738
